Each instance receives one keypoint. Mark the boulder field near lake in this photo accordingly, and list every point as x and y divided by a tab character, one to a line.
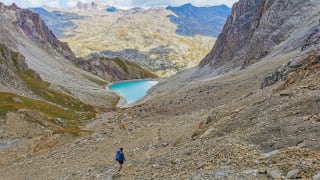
249	110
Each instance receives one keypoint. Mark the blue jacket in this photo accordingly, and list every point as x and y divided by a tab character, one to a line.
120	156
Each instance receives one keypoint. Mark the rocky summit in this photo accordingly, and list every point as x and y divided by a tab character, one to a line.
249	110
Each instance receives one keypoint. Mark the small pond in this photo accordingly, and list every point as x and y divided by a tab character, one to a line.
132	91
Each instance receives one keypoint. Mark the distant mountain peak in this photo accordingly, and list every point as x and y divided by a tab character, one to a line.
192	20
90	5
187	5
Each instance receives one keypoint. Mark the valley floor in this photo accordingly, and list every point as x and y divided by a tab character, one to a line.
214	128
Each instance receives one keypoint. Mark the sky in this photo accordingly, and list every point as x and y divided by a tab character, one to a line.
117	3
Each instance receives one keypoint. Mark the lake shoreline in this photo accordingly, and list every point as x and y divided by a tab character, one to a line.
123	101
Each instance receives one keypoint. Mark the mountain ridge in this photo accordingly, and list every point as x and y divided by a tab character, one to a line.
193	20
147	30
266	26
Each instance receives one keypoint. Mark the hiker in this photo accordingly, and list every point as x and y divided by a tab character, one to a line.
120	158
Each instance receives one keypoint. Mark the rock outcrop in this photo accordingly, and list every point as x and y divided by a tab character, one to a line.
254	28
10	63
35	28
294	71
300	67
115	69
156	59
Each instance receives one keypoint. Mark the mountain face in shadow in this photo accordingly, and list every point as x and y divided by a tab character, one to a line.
193	20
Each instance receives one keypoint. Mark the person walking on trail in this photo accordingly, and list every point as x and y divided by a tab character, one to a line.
120	158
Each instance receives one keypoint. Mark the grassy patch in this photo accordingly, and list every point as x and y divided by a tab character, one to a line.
120	63
143	70
124	64
71	131
56	104
12	102
97	81
42	89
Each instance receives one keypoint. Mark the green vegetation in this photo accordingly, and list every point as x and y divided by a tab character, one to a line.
120	63
124	64
12	102
42	89
143	70
56	104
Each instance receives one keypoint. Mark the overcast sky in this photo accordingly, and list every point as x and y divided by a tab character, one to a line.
118	3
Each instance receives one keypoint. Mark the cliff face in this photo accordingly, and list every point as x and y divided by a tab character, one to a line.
115	69
10	62
35	28
254	28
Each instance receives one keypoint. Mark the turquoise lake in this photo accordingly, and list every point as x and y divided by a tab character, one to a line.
132	91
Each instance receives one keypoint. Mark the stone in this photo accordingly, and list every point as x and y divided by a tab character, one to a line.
316	177
209	119
269	154
221	175
274	173
197	176
59	121
207	132
293	174
251	172
201	165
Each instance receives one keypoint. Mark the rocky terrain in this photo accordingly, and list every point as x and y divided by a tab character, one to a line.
264	25
148	34
258	122
114	69
42	91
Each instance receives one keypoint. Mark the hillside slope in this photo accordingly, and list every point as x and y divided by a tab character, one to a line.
261	122
24	32
42	91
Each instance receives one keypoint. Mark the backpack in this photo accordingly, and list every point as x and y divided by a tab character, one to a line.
119	156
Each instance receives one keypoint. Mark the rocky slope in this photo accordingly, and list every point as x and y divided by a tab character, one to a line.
114	69
254	29
35	29
42	92
24	32
196	126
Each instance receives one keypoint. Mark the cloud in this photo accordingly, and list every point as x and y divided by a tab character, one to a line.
118	3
